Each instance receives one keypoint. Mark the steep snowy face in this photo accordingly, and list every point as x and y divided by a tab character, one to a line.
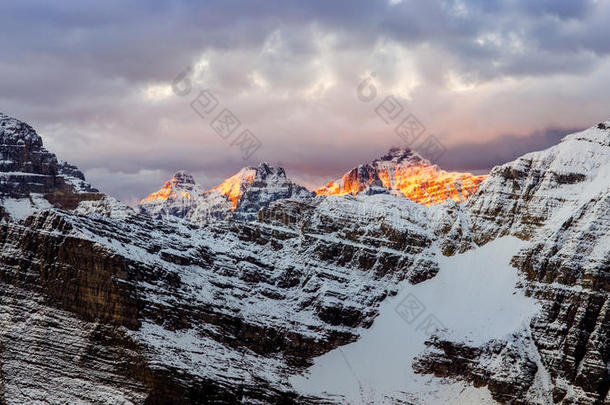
558	200
33	178
571	244
520	197
240	196
404	172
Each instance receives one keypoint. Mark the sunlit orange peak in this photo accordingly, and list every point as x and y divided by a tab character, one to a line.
405	172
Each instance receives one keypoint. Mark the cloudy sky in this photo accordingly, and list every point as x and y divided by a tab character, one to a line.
102	83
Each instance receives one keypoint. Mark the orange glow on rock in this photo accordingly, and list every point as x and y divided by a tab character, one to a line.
166	192
232	187
424	184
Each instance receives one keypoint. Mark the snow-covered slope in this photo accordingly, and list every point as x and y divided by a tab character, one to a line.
108	207
473	299
239	197
558	200
404	172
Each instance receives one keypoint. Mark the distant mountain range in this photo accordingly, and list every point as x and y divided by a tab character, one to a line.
399	172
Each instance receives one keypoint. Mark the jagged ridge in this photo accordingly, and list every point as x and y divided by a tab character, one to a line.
241	196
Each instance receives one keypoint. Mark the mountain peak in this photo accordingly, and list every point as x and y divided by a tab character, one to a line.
180	186
404	172
16	132
183	177
233	187
264	170
400	154
264	166
32	176
599	133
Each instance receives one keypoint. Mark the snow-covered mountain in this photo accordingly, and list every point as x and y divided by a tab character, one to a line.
32	178
240	196
338	299
404	172
558	200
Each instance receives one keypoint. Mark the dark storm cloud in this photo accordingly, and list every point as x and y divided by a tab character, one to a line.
143	41
93	77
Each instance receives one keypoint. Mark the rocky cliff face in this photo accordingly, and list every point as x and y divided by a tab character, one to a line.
105	305
227	311
507	367
404	172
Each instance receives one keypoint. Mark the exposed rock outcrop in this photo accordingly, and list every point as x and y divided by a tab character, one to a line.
507	367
